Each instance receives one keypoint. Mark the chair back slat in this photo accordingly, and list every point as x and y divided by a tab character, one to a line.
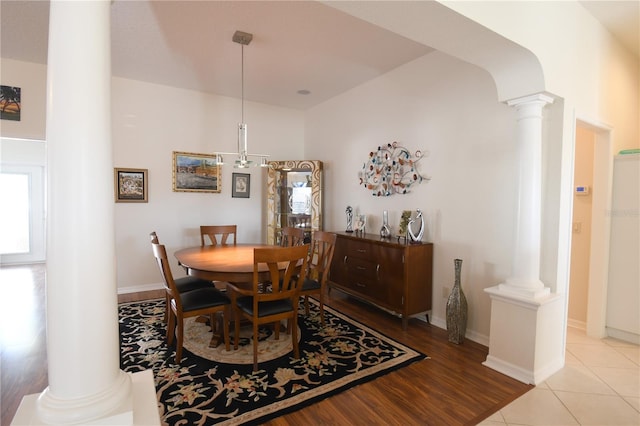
291	236
213	232
322	247
287	268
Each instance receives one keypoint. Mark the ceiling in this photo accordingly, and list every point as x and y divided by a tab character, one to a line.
296	46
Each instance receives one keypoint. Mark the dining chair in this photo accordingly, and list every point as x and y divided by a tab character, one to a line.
291	236
213	232
183	284
287	269
202	301
320	256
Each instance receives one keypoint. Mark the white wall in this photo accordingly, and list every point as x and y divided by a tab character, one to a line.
448	108
149	123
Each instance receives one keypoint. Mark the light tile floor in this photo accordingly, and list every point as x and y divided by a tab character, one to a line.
599	385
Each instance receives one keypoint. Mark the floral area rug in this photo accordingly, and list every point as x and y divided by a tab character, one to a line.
213	386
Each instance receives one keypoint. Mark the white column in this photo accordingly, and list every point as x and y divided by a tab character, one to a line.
526	340
85	382
526	259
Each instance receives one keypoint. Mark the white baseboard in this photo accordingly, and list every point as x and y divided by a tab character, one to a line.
623	335
580	325
525	376
139	288
470	334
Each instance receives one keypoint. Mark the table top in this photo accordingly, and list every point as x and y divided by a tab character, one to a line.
232	263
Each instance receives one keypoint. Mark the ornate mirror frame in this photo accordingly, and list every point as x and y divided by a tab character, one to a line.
275	218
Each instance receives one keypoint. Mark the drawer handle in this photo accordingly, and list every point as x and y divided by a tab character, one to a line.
345	259
360	284
378	271
361	250
361	268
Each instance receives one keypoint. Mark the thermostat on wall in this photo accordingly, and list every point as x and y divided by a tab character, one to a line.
582	190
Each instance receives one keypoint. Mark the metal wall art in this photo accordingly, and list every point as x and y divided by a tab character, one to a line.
391	170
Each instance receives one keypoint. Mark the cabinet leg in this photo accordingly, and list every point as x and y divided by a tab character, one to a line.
427	315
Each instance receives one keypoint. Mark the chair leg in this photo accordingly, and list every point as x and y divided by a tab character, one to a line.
171	327
294	335
255	346
225	327
180	338
236	336
167	307
321	300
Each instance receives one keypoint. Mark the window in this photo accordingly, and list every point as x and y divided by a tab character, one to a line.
22	214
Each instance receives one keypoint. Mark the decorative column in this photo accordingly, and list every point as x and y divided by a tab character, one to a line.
85	381
526	337
526	260
86	385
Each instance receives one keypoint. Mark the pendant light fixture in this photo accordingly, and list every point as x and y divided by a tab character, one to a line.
243	161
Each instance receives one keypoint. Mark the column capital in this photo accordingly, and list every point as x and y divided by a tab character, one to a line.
540	98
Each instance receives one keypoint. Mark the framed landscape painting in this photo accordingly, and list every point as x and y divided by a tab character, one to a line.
130	185
195	172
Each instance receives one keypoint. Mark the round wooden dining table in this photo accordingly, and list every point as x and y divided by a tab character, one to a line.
231	263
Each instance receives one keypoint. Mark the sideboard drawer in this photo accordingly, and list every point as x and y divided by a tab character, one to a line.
362	269
359	249
363	276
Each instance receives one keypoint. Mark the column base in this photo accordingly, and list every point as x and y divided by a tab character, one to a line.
526	339
140	408
524	289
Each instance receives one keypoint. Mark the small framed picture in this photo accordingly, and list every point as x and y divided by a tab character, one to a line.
130	185
10	101
241	185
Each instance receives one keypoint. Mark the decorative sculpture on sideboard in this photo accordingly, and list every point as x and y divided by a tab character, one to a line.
349	212
416	238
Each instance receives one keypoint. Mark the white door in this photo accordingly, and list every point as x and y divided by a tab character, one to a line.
22	215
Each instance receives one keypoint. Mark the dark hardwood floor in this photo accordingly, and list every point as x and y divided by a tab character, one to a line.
452	387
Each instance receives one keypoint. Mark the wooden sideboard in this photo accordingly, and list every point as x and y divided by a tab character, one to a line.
392	275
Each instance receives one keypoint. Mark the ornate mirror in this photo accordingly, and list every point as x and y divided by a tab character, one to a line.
294	197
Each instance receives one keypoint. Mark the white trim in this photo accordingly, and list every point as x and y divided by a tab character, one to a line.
521	374
623	335
139	288
577	324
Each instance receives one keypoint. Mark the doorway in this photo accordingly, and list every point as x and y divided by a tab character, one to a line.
593	164
581	227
